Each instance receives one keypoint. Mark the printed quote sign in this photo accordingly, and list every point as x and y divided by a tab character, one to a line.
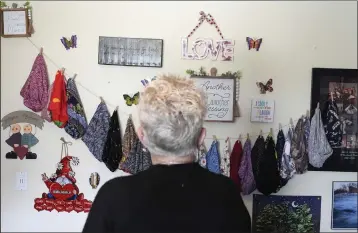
14	22
262	110
220	94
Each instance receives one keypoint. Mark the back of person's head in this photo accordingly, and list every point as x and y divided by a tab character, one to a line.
171	115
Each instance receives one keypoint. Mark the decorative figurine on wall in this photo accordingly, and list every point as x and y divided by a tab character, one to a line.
253	43
146	82
201	48
22	142
63	194
131	100
72	43
94	180
265	87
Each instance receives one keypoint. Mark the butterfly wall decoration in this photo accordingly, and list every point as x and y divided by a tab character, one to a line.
131	100
146	82
253	43
265	87
72	43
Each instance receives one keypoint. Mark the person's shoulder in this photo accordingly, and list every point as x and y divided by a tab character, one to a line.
121	183
118	181
216	179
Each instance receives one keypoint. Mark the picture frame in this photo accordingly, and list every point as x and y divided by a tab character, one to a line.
137	52
277	213
14	22
221	93
343	83
344	205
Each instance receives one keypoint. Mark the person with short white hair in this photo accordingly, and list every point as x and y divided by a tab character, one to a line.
175	193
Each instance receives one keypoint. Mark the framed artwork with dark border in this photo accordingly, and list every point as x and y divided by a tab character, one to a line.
344	205
122	51
343	85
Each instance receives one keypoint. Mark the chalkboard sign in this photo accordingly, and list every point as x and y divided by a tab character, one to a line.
14	23
130	51
220	92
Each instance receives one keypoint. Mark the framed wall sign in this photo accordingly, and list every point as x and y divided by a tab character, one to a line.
343	85
122	51
15	22
220	92
262	110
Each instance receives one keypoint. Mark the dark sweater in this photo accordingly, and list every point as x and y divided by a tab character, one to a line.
176	198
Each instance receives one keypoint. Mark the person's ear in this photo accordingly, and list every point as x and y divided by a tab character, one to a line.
140	133
202	136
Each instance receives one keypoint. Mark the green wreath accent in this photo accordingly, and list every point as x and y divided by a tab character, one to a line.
202	72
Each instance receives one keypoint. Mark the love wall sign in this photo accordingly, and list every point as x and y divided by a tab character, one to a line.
202	48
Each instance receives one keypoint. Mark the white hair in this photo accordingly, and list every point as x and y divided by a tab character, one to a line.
171	112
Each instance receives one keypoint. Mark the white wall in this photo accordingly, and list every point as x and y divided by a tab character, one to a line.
297	36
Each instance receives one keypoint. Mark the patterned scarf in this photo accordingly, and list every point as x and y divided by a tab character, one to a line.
77	122
129	139
257	154
298	148
96	134
202	156
287	168
213	158
235	161
112	152
138	159
225	160
333	125
247	179
280	144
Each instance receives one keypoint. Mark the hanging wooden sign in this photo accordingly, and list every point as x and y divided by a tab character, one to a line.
15	23
220	92
202	48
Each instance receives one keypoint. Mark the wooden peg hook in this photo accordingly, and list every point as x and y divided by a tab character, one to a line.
291	122
65	142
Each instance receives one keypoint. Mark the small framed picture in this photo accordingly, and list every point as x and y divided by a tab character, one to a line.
14	23
139	52
344	205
